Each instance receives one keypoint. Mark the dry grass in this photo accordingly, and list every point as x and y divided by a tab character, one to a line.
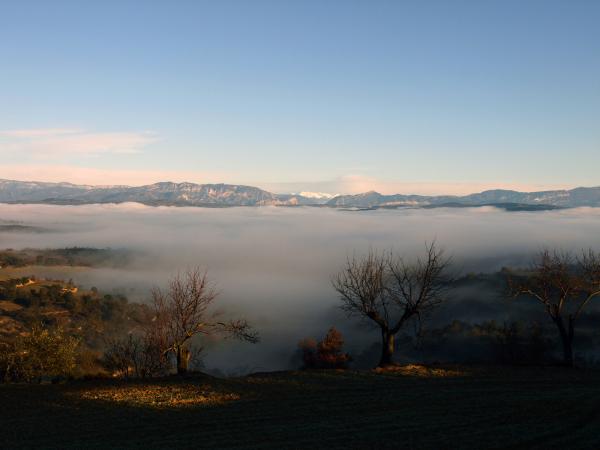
418	370
7	306
158	395
9	327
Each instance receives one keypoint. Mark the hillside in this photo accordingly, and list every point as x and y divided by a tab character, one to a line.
72	256
413	408
87	314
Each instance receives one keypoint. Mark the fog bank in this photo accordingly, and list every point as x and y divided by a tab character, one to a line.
273	265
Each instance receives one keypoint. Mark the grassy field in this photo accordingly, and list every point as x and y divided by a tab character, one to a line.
413	408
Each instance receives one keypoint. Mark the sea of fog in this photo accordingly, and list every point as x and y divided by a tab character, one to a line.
273	265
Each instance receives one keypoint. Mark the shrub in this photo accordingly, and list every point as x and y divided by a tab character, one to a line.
134	356
326	354
43	353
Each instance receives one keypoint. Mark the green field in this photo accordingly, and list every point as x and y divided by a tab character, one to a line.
470	408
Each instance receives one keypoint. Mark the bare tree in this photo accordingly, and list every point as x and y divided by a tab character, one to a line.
135	356
589	263
181	313
564	285
390	292
120	356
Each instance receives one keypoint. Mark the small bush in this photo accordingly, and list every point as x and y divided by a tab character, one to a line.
134	357
42	354
326	354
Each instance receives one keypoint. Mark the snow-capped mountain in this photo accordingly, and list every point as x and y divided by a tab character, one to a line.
321	197
318	195
191	194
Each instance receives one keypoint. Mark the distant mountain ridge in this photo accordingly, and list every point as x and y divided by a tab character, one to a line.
217	195
582	196
163	193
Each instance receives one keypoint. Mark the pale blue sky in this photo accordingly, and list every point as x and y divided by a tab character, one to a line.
315	95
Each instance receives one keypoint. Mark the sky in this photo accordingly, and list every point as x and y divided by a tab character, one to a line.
329	96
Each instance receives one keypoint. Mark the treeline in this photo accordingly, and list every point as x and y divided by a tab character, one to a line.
65	334
72	256
389	292
396	296
46	323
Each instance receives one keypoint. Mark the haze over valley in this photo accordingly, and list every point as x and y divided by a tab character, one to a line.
274	265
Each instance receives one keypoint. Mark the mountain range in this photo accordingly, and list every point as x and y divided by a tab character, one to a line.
163	193
582	196
221	195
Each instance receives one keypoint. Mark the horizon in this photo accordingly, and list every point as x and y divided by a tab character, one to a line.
301	192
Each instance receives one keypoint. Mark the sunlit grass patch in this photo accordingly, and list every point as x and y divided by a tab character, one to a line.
159	395
419	370
520	407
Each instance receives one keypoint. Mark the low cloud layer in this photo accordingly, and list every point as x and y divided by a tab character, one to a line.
274	265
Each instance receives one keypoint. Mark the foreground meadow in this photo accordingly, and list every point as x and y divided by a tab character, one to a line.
411	407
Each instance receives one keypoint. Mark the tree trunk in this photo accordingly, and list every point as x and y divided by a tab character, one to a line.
183	358
566	337
387	348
